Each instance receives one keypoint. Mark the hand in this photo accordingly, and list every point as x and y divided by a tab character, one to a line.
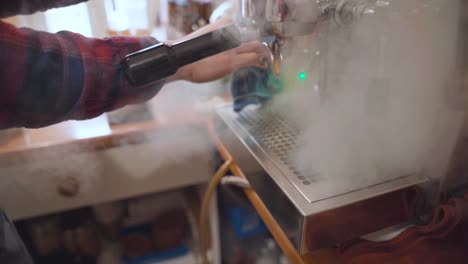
220	65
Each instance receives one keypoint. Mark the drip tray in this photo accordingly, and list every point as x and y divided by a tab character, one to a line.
315	211
278	140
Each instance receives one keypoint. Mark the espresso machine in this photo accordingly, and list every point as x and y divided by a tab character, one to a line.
371	120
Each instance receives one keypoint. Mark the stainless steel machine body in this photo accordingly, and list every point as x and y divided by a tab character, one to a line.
317	212
313	214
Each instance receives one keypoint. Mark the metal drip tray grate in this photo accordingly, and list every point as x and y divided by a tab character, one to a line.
275	136
278	140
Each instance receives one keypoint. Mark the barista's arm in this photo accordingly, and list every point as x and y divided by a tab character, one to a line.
48	78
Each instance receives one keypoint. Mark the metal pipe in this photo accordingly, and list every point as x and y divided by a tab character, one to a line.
247	9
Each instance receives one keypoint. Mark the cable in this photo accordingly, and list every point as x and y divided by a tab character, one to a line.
236	181
204	209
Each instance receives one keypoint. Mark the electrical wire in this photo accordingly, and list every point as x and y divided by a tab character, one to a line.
236	181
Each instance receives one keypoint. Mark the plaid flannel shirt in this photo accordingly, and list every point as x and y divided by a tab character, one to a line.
48	78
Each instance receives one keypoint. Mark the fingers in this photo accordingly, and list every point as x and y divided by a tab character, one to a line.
262	50
247	60
217	67
254	46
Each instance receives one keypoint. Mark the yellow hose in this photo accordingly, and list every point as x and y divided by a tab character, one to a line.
203	232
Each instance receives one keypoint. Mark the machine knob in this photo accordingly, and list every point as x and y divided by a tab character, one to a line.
69	187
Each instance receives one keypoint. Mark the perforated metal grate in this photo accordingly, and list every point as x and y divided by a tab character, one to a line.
275	143
278	139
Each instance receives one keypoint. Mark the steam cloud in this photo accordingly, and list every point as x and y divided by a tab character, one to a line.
369	113
376	92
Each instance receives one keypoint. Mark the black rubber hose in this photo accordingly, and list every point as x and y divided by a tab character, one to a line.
161	61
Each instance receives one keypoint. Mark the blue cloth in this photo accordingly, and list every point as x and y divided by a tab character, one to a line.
253	86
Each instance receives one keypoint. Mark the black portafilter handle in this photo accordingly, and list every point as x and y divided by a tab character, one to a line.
161	61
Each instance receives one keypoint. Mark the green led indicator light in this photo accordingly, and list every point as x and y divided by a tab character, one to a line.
302	76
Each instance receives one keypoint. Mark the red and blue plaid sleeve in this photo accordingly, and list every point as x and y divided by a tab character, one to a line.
48	78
